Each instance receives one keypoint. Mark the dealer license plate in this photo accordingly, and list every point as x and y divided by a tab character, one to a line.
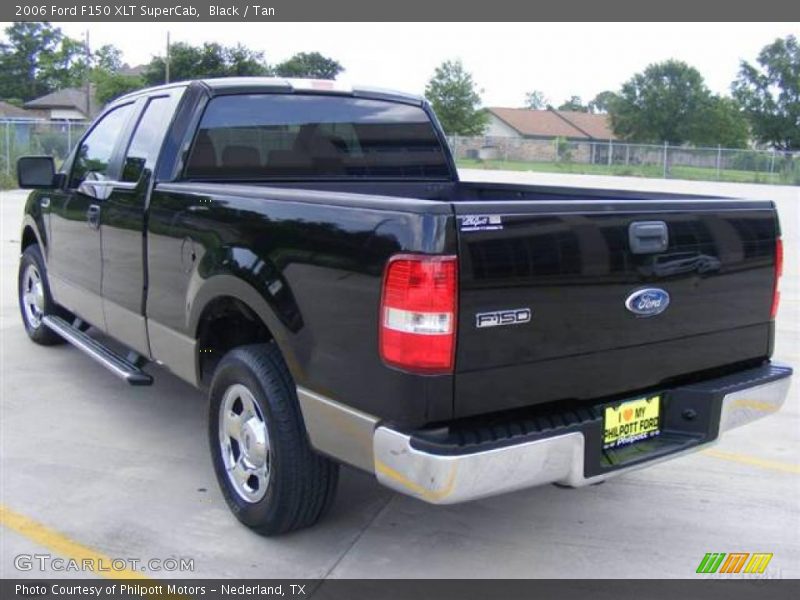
631	422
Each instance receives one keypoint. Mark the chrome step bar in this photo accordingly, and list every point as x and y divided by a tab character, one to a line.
121	367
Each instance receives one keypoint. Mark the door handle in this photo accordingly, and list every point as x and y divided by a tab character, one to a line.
45	202
648	237
93	216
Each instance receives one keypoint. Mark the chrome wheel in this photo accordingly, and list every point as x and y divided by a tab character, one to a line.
244	443
32	296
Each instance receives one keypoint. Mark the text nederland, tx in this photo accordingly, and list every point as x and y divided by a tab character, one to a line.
157	590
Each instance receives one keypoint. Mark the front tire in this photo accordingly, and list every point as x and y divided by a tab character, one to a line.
35	301
271	478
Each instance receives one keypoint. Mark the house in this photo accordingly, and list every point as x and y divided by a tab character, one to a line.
69	104
547	124
9	112
135	71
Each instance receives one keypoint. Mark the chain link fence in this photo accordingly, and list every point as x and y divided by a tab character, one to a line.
559	155
555	155
23	137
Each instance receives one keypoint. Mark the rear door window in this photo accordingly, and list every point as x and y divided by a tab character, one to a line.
274	136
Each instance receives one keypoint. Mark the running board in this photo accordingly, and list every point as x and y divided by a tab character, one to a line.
121	367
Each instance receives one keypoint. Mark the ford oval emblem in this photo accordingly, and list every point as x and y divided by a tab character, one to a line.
648	302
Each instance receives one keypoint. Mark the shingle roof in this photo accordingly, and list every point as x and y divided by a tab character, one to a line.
66	98
9	111
555	123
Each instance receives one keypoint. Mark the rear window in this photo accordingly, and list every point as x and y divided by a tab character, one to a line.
270	136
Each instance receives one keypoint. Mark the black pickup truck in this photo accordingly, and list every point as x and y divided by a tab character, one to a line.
307	255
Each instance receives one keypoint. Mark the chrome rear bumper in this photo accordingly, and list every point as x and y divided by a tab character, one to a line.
453	478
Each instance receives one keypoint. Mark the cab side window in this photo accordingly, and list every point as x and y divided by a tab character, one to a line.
148	137
94	155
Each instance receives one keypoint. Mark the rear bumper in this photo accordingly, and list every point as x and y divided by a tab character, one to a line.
573	456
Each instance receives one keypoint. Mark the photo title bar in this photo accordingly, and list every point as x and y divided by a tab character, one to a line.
405	10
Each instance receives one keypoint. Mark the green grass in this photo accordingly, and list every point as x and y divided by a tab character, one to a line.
652	171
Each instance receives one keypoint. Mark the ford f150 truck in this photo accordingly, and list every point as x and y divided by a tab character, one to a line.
307	254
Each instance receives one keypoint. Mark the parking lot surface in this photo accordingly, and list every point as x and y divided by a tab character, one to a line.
90	465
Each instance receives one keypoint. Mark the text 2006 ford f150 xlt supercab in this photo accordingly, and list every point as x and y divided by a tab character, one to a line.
308	255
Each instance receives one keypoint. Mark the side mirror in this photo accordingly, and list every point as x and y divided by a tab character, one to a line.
36	172
133	169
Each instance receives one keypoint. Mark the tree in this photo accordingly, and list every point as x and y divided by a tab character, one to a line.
770	94
108	58
668	102
208	60
109	85
309	64
456	99
723	123
601	102
37	58
536	100
66	67
574	104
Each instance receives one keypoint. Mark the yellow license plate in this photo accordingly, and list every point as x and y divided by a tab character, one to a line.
631	422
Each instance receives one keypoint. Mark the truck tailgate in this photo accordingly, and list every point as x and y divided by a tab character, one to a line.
572	265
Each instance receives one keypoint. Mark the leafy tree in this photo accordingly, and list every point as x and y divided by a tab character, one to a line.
574	104
208	60
38	58
108	58
723	123
668	102
602	102
770	94
309	64
243	62
109	85
66	67
536	100
456	99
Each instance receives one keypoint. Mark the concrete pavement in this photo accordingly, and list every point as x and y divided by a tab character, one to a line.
125	471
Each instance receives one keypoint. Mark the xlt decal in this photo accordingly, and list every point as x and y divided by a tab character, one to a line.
481	222
514	316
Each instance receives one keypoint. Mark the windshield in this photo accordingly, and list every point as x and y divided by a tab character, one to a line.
294	136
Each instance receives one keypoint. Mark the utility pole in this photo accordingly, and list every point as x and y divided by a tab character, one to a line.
87	82
166	64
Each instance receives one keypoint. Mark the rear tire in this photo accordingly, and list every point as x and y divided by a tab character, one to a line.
271	478
35	301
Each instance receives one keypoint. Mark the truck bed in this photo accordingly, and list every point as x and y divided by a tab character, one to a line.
564	254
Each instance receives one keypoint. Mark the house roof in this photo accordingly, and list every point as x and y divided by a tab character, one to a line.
70	98
9	111
555	123
66	98
134	71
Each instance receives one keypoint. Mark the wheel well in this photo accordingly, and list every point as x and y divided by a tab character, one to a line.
28	238
225	324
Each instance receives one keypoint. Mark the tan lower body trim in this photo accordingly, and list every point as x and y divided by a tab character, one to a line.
337	430
176	351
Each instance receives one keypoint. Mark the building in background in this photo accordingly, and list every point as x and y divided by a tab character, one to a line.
524	123
70	104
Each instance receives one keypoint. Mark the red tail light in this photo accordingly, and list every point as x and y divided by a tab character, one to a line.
776	293
418	313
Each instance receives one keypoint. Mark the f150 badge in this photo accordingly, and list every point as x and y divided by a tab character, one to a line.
514	316
648	302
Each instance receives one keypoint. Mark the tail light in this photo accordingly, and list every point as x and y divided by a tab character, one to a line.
776	293
418	313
